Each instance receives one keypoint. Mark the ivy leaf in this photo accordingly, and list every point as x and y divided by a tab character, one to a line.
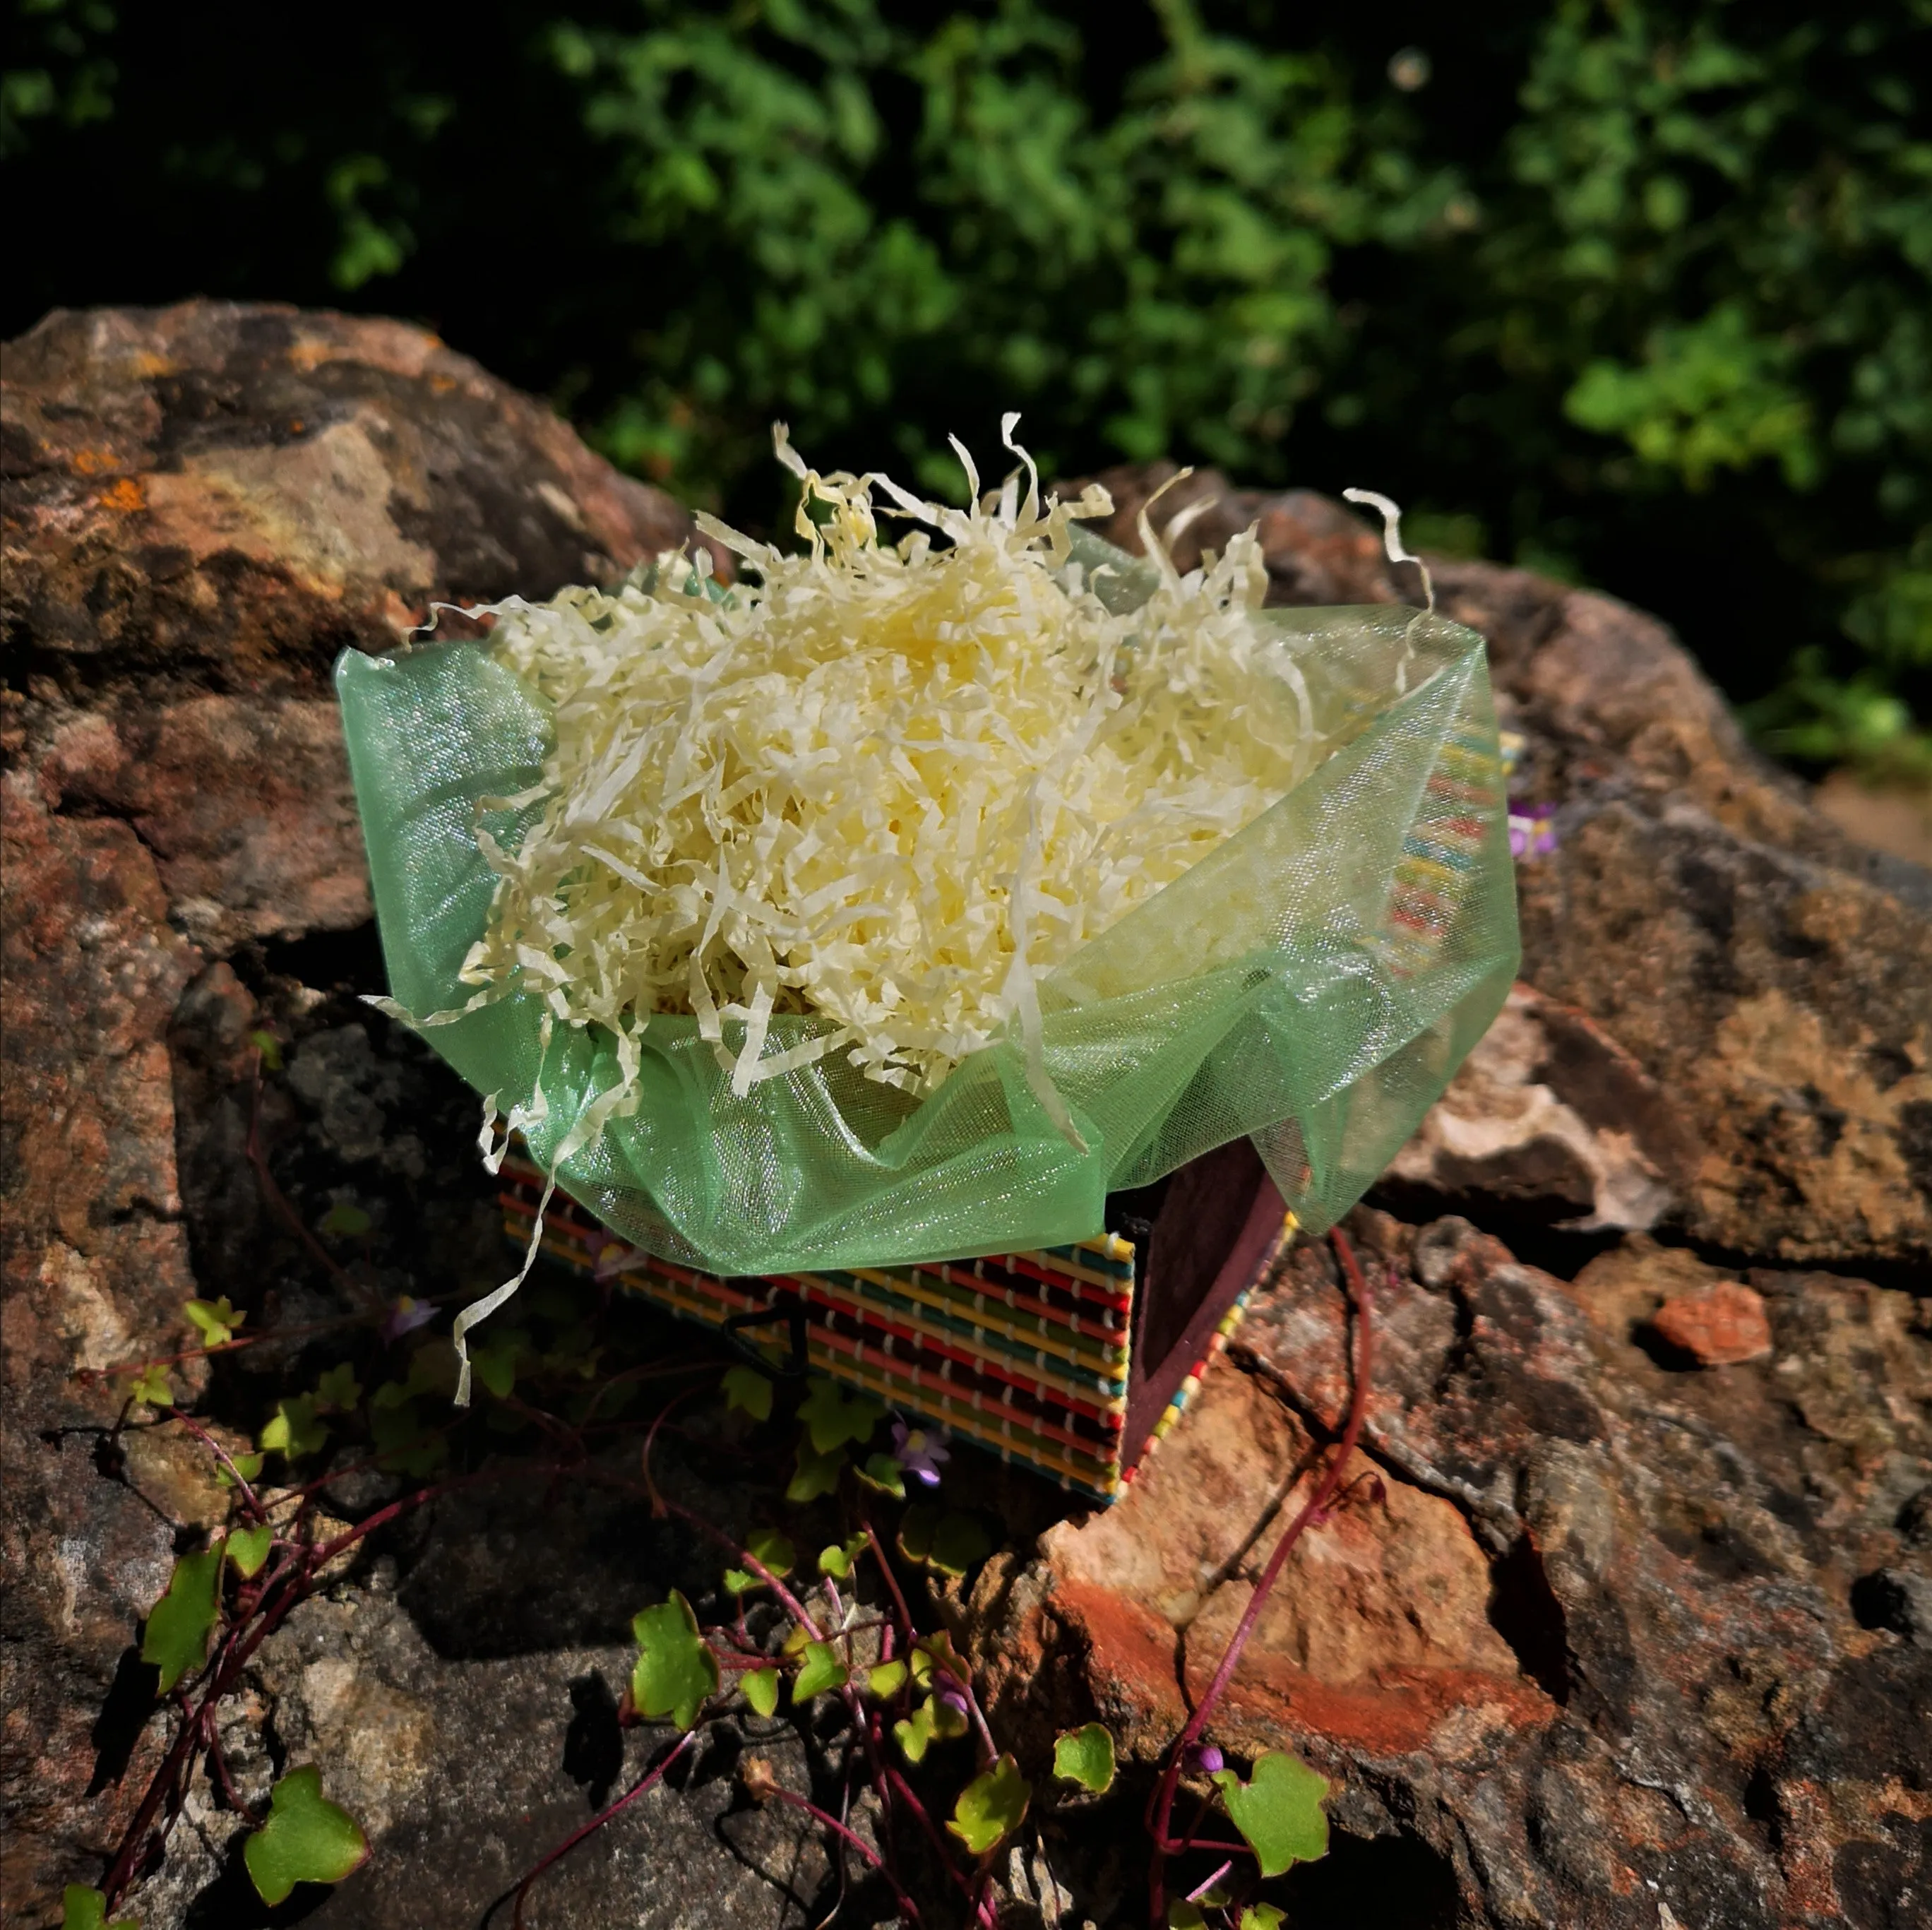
215	1318
403	1445
293	1429
175	1639
338	1388
886	1680
761	1690
1279	1812
1263	1917
1184	1913
774	1549
306	1839
837	1560
344	1221
153	1388
675	1671
270	1047
948	1719
938	1650
885	1473
748	1390
914	1734
1085	1756
495	1361
816	1474
833	1416
915	1530
958	1541
822	1669
247	1466
83	1907
993	1805
248	1548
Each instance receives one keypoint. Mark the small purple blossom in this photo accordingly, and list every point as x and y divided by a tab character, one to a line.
919	1452
953	1699
609	1255
405	1315
1531	834
1203	1759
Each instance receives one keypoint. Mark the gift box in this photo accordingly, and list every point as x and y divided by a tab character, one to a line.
1073	1361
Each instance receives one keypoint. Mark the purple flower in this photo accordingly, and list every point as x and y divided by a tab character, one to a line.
918	1452
1531	835
953	1699
405	1315
609	1255
1203	1759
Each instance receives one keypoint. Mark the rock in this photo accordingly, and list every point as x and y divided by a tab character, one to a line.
203	505
1549	1118
1581	1621
1717	1326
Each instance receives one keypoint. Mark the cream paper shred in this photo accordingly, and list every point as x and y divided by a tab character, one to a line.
892	783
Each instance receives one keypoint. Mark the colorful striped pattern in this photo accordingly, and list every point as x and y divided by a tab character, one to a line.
1443	850
1024	1354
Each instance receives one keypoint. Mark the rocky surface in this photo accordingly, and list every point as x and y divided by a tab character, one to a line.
1608	1628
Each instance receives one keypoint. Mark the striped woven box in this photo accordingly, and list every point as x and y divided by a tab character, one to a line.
1073	1361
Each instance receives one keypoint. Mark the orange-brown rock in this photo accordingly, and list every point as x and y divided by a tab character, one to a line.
1717	1326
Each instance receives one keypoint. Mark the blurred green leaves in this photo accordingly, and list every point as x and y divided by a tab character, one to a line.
1635	290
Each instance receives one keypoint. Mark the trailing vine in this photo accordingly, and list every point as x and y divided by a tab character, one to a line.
929	1795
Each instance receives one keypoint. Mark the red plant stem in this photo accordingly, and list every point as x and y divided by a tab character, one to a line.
1313	1508
597	1822
241	1480
864	1849
287	1584
892	1582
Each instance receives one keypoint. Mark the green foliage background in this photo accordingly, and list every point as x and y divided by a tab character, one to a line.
1639	293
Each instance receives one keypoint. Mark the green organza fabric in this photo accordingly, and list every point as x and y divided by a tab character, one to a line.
1313	983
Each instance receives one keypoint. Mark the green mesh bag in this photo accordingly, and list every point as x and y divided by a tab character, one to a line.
1313	984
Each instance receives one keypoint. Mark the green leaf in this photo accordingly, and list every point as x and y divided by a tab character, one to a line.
248	1548
1263	1917
833	1414
1279	1812
338	1388
886	1679
916	1531
914	1734
495	1361
836	1560
774	1549
403	1445
748	1390
1182	1913
306	1839
821	1670
270	1047
216	1319
83	1907
247	1466
293	1430
175	1639
948	1719
885	1473
958	1541
761	1690
344	1221
152	1388
993	1805
816	1474
1085	1756
675	1671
